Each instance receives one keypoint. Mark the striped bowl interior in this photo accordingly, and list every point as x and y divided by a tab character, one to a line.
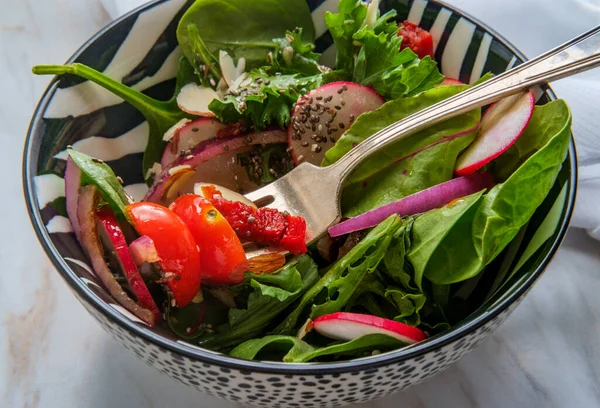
141	51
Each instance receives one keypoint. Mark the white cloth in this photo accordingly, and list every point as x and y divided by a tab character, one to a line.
536	26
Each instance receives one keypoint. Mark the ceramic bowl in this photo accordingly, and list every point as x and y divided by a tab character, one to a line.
140	49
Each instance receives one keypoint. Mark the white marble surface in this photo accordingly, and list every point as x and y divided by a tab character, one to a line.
52	354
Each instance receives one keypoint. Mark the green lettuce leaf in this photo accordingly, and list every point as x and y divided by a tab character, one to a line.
409	305
342	26
298	351
368	48
265	98
293	55
271	294
342	280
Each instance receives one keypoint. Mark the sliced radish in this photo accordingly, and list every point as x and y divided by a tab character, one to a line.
190	135
194	99
206	152
114	241
143	250
324	114
86	214
501	126
350	326
225	193
425	200
72	183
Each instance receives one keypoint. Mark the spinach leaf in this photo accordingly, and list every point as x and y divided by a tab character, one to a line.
301	352
101	175
406	177
455	243
437	232
344	277
245	29
161	115
509	205
369	187
271	294
370	123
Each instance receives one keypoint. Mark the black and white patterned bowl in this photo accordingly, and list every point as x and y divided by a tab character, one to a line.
140	49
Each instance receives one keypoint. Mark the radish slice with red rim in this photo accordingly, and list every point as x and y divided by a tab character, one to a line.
425	200
350	326
501	126
324	114
90	241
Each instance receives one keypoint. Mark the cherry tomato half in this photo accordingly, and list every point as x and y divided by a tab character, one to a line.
175	245
417	39
220	248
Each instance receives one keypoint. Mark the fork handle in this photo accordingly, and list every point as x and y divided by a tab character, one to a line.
577	55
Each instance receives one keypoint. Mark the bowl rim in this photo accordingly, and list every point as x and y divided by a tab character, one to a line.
198	354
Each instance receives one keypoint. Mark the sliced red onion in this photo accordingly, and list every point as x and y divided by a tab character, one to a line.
143	250
206	151
113	240
425	200
90	241
190	135
72	183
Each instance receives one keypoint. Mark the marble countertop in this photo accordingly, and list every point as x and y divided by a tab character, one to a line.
53	354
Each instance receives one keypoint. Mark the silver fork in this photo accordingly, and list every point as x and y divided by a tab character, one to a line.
314	192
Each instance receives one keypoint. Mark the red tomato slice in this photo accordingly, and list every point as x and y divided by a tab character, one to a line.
220	248
176	247
417	39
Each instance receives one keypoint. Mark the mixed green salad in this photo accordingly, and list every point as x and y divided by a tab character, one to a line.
424	223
